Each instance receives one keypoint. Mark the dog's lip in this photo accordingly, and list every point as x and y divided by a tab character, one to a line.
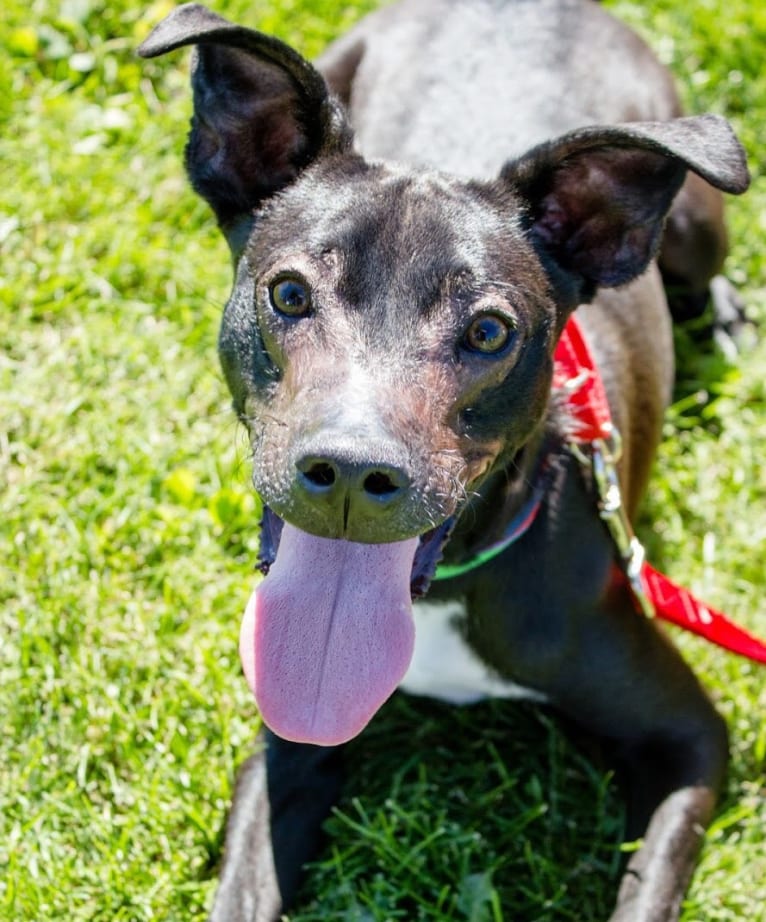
427	556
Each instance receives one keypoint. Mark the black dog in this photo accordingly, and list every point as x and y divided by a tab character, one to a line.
388	343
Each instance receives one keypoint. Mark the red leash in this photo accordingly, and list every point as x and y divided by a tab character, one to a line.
596	443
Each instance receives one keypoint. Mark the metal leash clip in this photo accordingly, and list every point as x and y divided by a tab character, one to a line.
604	455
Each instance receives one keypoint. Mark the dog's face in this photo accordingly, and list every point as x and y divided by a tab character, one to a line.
387	343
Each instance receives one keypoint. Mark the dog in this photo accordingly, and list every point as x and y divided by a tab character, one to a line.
412	221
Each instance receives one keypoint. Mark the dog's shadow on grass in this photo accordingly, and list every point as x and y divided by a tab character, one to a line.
451	813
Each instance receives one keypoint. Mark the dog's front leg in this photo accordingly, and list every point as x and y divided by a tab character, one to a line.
283	793
674	767
655	879
629	686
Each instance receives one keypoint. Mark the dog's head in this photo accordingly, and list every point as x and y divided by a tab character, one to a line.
388	341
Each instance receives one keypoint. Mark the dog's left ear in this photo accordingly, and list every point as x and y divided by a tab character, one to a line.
597	198
262	113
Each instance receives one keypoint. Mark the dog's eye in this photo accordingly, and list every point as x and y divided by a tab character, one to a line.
488	333
290	296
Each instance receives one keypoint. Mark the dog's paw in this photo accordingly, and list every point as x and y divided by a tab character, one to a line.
732	329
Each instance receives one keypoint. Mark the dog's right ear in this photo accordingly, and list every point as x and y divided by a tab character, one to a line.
596	198
262	114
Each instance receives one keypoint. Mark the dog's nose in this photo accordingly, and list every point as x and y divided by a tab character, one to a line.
373	487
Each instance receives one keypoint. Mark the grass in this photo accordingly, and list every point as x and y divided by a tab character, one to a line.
127	531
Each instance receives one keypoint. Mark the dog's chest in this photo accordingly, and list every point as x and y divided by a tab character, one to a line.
444	666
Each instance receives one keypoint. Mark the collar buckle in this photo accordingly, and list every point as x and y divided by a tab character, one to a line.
601	457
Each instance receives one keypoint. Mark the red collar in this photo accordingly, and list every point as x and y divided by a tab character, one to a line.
596	444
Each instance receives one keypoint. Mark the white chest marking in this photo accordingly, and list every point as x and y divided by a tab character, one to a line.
444	666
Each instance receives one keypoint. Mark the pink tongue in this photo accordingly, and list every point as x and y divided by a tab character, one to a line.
328	635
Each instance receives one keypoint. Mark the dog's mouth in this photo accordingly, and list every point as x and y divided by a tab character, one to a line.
428	552
329	634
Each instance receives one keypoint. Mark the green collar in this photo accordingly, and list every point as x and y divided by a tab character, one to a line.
517	527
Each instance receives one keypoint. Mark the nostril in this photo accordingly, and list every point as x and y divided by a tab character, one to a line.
333	478
379	483
320	474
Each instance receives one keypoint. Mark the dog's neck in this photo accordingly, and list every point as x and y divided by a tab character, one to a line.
489	510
